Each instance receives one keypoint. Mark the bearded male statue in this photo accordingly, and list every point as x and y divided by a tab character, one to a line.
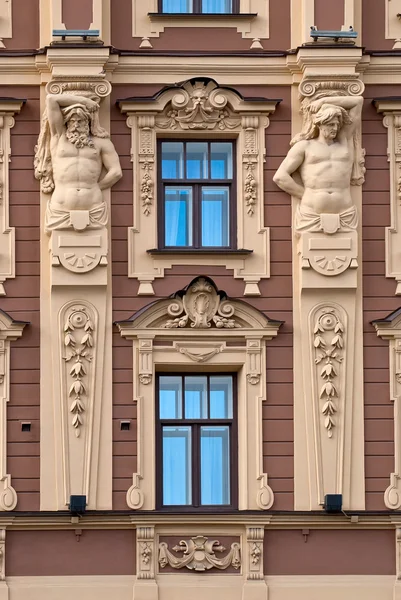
74	161
324	161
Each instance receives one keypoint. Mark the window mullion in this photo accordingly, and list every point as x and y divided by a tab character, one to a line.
196	466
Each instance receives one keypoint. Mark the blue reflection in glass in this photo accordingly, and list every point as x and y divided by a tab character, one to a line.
170	397
177	481
215	216
178	216
215	465
177	6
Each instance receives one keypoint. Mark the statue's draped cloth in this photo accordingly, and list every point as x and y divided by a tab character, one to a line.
307	220
60	219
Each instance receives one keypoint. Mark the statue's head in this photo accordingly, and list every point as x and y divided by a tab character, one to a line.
329	119
77	120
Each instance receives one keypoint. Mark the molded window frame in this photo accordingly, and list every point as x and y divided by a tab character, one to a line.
236	118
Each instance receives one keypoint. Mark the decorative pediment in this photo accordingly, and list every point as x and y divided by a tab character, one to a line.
198	104
200	308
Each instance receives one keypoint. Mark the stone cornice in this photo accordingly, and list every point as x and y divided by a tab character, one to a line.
59	521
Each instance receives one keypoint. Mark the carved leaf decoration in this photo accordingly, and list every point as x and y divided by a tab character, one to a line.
319	342
77	406
77	388
339	327
337	341
87	340
78	369
318	328
89	325
329	408
328	371
69	340
328	389
68	326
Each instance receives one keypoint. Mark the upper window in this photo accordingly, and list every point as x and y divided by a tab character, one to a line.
196	441
200	6
197	195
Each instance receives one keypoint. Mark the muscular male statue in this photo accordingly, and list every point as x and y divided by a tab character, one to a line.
75	160
324	156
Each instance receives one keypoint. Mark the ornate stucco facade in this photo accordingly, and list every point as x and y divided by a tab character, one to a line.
297	313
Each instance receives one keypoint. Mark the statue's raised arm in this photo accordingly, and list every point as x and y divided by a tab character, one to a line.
74	160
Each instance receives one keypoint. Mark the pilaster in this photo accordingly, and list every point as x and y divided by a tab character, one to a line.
76	338
328	371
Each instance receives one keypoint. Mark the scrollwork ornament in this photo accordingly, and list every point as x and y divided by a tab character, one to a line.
199	554
201	307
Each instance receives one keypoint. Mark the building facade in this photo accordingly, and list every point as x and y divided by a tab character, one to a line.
200	323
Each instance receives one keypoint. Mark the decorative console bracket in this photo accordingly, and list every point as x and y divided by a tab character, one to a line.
389	329
195	326
10	330
8	107
391	109
196	108
328	405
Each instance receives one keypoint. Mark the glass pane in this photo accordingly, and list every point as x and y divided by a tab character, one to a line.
177	6
221	160
221	397
196	397
170	397
217	6
178	216
172	160
197	160
177	484
215	216
215	465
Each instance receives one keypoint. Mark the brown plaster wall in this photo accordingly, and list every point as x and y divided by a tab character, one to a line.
195	38
373	26
77	14
52	553
22	302
379	300
329	552
25	25
329	15
275	301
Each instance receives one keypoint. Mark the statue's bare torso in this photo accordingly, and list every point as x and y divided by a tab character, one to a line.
76	173
326	174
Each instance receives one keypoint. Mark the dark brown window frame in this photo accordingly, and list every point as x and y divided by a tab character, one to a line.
195	452
197	8
196	184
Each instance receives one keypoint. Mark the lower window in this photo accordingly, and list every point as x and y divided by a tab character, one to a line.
197	441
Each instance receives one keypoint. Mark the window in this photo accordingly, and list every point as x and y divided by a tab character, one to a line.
200	6
197	189
197	441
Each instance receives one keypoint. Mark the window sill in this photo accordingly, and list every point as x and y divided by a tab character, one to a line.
156	16
198	252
